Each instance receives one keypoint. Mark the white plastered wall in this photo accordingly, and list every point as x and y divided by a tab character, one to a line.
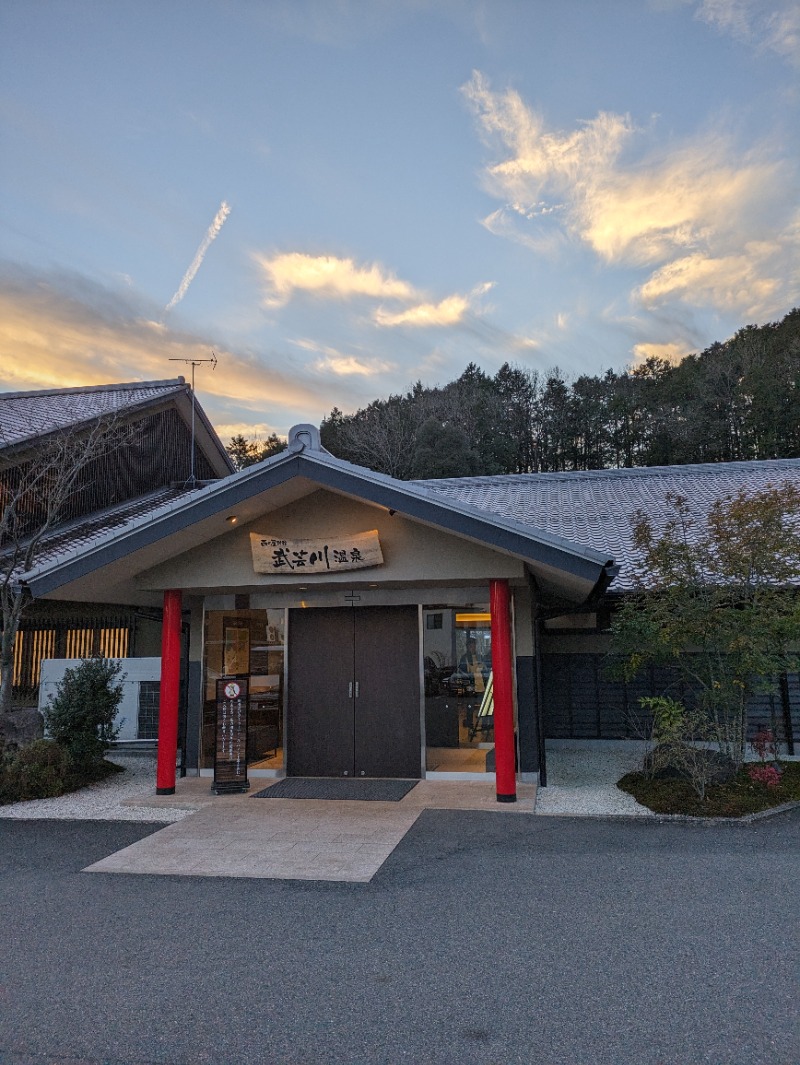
412	552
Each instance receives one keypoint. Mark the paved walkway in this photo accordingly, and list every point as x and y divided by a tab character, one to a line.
301	839
291	839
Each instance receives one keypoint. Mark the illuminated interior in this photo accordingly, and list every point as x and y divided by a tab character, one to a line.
251	644
459	720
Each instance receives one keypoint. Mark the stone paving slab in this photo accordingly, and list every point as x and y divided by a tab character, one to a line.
291	839
242	841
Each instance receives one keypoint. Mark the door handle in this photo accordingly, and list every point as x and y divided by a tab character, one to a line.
350	690
357	687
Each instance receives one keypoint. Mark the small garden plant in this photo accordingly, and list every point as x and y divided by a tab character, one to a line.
81	724
756	786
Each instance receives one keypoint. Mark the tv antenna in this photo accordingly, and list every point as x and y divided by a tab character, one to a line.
195	362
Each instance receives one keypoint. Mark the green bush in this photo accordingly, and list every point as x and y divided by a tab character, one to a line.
81	715
41	770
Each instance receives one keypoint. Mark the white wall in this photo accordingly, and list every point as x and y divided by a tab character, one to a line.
135	670
412	552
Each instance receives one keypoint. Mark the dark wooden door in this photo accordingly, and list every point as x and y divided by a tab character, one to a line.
387	710
354	696
320	706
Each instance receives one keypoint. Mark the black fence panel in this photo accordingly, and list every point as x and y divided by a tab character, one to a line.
580	700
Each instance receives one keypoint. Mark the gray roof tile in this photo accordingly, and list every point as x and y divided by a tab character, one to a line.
25	415
85	532
596	508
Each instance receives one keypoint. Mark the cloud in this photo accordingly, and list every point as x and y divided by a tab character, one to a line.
547	241
332	278
348	365
211	235
60	330
691	214
773	27
739	283
449	311
328	276
729	16
336	362
252	430
672	352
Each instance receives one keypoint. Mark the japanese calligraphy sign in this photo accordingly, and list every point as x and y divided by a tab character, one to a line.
321	555
230	749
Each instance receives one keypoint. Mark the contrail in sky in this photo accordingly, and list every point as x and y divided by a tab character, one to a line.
200	254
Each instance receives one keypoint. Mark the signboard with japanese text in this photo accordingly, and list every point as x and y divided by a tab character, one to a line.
230	748
321	555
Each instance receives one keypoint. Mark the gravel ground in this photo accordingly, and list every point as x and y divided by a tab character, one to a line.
103	801
582	777
581	774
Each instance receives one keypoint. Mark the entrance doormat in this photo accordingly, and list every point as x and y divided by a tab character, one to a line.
337	788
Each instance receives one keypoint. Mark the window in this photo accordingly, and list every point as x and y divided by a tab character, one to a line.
149	693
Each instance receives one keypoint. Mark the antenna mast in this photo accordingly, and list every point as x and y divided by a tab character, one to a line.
195	362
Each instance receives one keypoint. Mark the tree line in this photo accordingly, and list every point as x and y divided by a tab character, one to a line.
737	400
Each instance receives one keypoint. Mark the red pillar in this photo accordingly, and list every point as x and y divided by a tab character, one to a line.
170	693
505	774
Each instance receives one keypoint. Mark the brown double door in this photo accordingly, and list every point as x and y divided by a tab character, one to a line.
354	696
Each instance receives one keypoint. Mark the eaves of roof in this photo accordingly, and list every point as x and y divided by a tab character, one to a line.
411	500
26	420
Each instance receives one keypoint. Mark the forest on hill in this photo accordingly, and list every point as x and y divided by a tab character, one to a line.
739	399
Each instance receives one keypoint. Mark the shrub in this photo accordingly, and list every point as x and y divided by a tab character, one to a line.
768	775
765	745
81	715
682	737
41	770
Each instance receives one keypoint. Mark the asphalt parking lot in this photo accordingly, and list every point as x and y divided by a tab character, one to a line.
482	939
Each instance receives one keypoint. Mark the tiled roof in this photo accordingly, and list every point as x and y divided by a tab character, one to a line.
592	510
25	415
71	539
596	508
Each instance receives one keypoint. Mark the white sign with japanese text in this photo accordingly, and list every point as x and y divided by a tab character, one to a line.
320	555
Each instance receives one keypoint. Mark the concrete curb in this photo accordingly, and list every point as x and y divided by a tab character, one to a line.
651	816
761	815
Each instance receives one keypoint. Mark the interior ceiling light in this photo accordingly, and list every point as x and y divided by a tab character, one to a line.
232	519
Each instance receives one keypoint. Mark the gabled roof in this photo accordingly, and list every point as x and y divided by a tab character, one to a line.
579	524
596	508
304	467
26	417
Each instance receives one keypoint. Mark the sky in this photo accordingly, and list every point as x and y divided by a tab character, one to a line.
341	198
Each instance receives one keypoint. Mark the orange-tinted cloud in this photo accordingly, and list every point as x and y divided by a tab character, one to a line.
60	331
326	275
693	215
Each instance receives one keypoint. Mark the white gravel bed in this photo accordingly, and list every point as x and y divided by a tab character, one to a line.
582	777
581	774
103	801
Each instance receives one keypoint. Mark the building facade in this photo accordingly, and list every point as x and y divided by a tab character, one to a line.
364	626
